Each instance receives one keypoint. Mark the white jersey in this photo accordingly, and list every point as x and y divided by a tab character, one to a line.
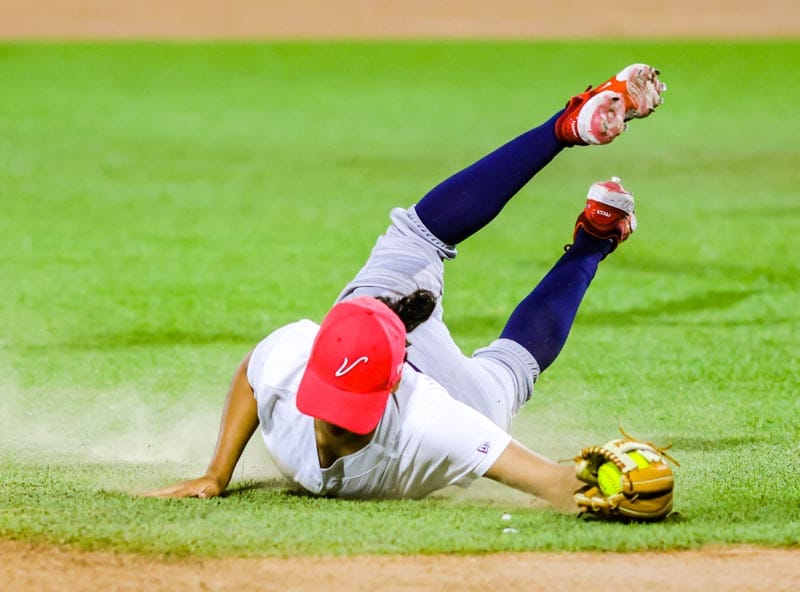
425	441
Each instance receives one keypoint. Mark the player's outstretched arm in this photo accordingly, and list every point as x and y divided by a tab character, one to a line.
523	469
239	422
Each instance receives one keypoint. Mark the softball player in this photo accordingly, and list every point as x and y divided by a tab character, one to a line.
378	401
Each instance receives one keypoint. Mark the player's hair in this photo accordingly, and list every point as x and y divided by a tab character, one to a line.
413	309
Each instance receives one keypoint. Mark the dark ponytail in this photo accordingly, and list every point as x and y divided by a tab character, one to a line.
413	309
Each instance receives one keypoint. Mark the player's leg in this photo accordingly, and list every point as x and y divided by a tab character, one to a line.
540	324
466	202
499	378
409	255
542	321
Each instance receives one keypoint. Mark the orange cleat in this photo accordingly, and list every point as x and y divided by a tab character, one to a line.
598	115
609	212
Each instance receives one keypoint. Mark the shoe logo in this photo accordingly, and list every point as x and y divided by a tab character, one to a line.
344	368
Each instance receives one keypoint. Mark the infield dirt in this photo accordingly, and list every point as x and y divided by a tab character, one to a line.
26	566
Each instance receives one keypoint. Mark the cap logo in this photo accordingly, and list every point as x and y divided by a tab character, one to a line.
344	368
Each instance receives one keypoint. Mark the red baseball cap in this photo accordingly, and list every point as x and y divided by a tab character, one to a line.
355	362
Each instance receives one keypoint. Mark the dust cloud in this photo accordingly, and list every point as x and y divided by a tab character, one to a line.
71	427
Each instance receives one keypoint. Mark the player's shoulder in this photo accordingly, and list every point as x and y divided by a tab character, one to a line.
297	332
282	351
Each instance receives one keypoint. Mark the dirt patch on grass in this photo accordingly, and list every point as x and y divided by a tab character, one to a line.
38	567
378	19
44	568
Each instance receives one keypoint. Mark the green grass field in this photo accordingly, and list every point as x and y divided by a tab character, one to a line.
165	206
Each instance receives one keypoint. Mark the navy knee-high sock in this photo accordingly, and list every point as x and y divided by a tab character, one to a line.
466	202
542	321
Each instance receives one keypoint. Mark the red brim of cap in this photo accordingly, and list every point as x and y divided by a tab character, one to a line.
359	413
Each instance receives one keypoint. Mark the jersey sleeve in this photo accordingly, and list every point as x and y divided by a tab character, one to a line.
279	349
258	358
457	443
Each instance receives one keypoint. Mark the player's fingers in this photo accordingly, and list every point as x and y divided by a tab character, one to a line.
203	487
166	492
154	493
177	491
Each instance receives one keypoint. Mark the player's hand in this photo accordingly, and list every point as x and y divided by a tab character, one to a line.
202	487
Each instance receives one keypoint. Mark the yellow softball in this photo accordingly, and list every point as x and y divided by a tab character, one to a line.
609	477
640	460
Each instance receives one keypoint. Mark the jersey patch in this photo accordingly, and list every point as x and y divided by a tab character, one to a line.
484	448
